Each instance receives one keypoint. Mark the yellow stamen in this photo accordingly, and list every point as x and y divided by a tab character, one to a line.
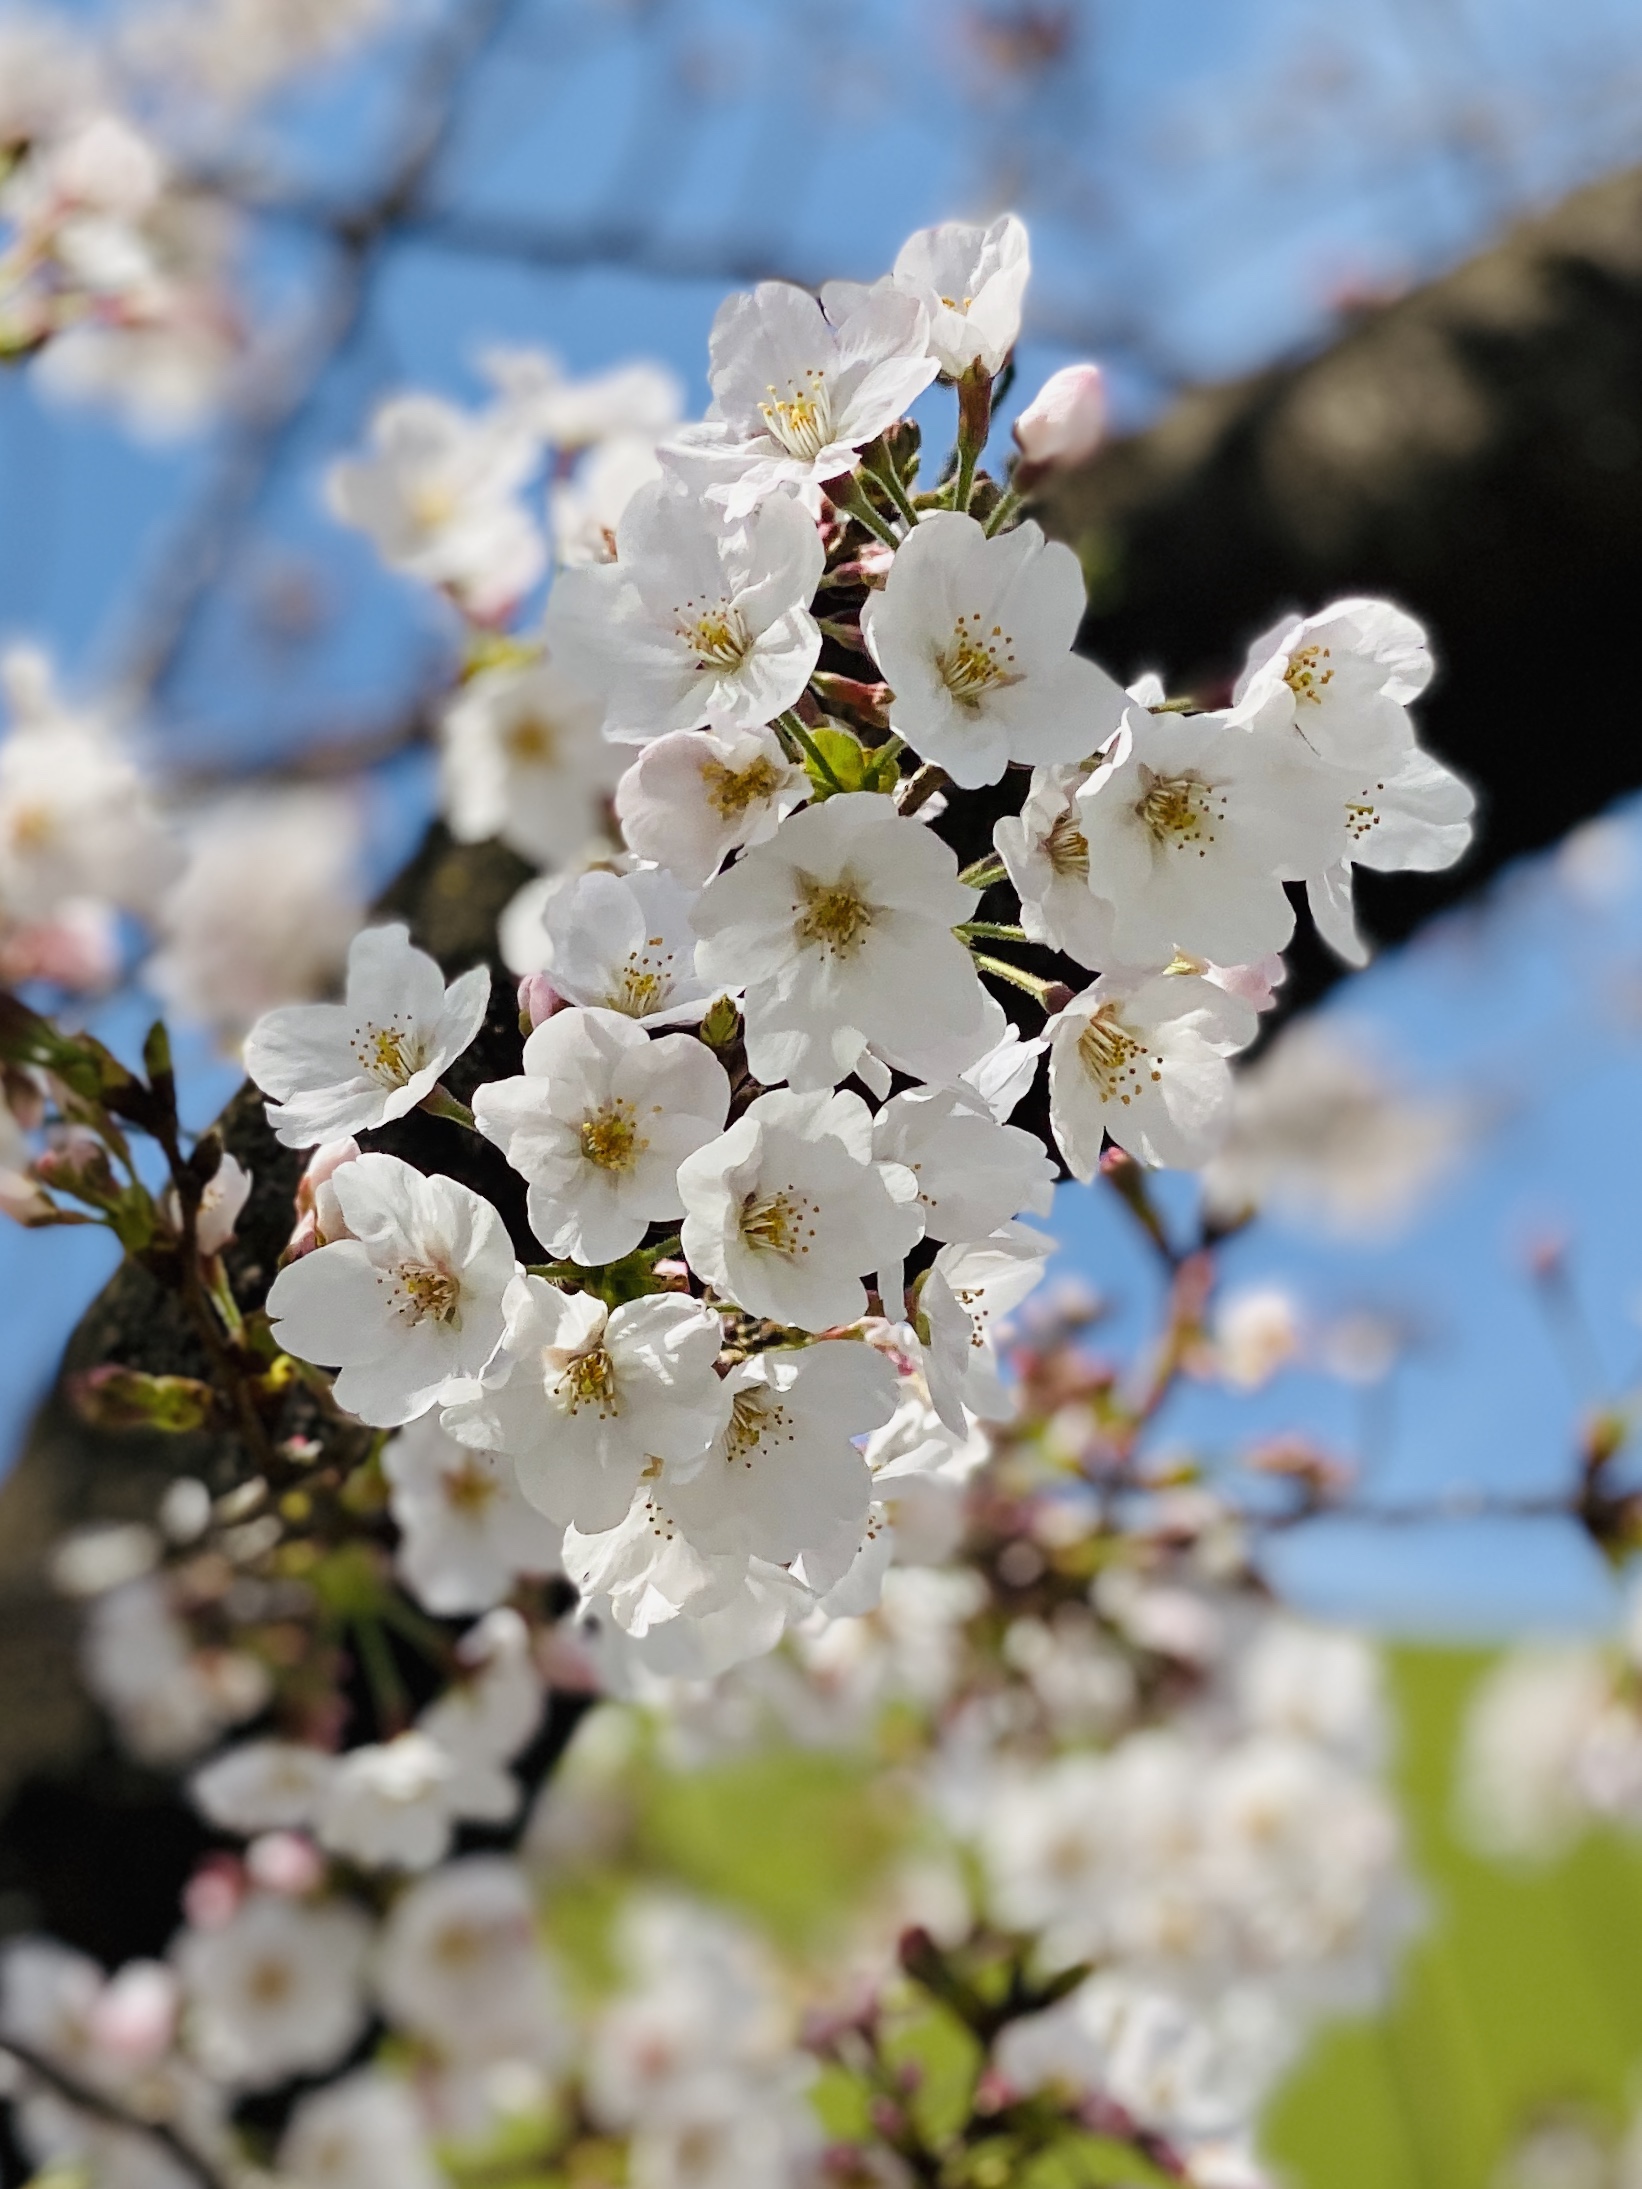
801	420
1067	848
778	1224
976	660
1114	1057
610	1137
833	916
431	1293
1305	678
1180	810
730	791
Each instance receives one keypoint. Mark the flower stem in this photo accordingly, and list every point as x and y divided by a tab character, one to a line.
974	424
920	787
990	930
984	872
1007	504
878	460
1016	975
847	493
442	1103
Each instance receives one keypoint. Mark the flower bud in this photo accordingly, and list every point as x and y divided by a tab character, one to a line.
538	1000
1065	421
319	1214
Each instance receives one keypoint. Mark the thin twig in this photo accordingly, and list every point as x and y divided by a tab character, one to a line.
104	2108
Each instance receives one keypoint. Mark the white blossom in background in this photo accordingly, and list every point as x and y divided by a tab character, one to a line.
50	76
521	759
787	1211
586	508
394	1805
410	1302
798	392
438	496
1547	1747
358	2133
694	796
641	396
263	1786
581	1397
696	621
1325	1135
263	911
460	1967
975	636
840	928
612	942
168	1700
1144	1060
276	1991
598	1124
466	1531
1188	835
236	53
336	1069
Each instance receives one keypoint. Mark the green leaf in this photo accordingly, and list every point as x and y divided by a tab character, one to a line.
854	765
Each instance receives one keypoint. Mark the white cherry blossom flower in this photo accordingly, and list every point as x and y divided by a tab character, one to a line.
970	280
641	396
587	508
975	637
968	1285
796	393
1188	835
840	928
263	1786
522	760
221	1205
598	1124
648	1569
392	1804
693	797
358	2133
410	1300
1410	812
696	621
973	1173
275	1991
787	1211
581	1397
488	1716
612	942
466	1531
1144	1060
336	1069
1342	680
460	1966
264	909
1046	853
437	495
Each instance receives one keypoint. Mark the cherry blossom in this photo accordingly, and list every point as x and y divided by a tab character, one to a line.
1144	1060
973	1173
696	621
466	1531
358	2133
1046	855
276	1990
522	760
839	926
612	942
341	1068
459	1965
975	636
970	279
582	1396
969	1284
409	1302
598	1124
1065	422
796	392
693	797
787	1211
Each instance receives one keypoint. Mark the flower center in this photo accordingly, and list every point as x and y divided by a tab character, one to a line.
431	506
32	827
730	791
1305	677
391	1055
977	660
1114	1057
469	1487
834	916
429	1292
756	1419
958	304
269	1983
590	1380
1180	810
1362	815
778	1223
1067	848
802	420
610	1137
531	741
718	636
643	984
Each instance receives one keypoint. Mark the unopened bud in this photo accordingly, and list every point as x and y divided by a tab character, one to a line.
538	1000
1065	421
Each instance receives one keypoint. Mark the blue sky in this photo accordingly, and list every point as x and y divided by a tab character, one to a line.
1206	180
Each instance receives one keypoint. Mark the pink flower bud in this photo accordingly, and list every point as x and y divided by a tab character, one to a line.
1065	421
285	1862
538	1000
134	2016
212	1894
319	1213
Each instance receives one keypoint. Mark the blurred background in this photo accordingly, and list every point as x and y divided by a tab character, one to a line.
1367	288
